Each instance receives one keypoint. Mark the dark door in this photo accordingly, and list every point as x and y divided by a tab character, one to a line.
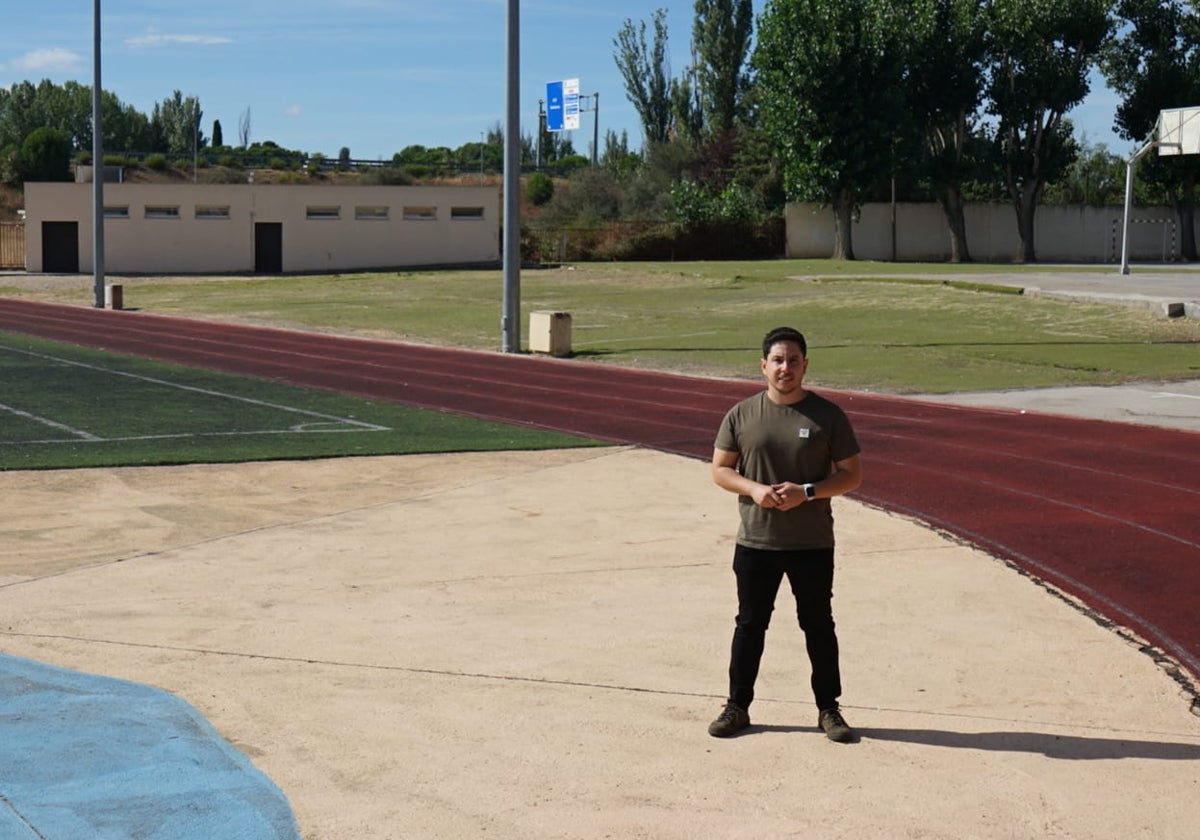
60	247
268	247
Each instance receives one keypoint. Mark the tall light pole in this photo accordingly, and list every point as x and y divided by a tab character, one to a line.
510	321
97	167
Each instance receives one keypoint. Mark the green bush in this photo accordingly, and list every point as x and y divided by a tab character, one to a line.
539	189
385	176
157	162
46	155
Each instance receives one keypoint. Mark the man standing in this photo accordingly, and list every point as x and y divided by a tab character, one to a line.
786	452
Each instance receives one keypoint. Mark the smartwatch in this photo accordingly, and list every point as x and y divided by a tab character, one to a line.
810	492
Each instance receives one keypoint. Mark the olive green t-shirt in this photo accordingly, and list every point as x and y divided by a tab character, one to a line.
777	443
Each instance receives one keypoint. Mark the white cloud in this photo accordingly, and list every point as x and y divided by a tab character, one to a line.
48	60
292	111
153	39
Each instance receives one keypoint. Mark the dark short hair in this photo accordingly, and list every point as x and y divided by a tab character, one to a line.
784	334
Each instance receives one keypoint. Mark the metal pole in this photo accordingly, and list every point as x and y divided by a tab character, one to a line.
510	322
1129	198
541	131
1125	220
97	167
595	128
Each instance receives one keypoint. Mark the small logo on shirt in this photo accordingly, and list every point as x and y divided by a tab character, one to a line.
805	432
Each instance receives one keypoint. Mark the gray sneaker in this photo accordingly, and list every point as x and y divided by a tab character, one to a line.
835	727
732	720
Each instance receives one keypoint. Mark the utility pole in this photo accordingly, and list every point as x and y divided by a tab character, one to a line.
510	321
97	167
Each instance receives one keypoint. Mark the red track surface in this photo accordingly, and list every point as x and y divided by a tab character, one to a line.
1108	512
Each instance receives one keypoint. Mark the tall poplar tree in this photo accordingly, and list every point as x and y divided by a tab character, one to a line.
1154	63
830	89
1040	53
646	69
721	32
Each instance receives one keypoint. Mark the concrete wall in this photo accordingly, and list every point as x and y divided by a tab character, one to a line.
1068	233
325	228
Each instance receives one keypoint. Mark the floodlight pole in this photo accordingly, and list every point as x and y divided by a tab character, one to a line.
510	321
97	168
1129	164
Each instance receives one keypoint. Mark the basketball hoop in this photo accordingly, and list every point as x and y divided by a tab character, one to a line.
1177	133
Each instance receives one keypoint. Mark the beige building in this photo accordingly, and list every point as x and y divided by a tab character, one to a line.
269	228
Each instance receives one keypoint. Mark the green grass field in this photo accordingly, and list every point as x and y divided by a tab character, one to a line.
900	328
65	406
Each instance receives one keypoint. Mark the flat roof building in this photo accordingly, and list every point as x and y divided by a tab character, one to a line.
260	228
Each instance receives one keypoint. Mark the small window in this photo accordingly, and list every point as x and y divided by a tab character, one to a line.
371	213
466	213
420	214
161	212
121	212
324	213
210	211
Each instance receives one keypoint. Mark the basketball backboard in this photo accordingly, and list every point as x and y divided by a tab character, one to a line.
1179	131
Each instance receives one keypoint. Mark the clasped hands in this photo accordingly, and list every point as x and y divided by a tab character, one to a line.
783	496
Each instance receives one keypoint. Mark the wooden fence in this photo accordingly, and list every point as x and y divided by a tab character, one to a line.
12	245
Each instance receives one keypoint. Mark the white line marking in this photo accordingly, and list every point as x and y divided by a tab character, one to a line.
48	422
1172	394
371	427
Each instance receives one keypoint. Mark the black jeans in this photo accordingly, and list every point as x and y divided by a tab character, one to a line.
810	574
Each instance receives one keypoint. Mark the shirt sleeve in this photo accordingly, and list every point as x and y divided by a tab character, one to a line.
727	434
844	443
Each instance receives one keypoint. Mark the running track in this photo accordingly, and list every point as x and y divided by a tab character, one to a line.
1107	512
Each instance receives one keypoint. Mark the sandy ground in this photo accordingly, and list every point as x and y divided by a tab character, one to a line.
524	645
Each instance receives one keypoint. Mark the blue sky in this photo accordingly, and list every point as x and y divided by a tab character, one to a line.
372	75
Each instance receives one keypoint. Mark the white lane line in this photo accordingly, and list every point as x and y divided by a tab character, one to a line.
249	400
45	421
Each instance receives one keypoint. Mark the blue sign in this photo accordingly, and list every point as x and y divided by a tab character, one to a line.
554	106
562	105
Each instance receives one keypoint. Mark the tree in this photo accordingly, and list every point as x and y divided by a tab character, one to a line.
1040	53
647	74
1154	63
1096	177
218	137
830	76
616	157
176	124
945	88
721	33
244	129
25	107
344	159
46	155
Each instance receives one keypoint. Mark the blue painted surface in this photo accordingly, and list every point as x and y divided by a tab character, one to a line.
83	756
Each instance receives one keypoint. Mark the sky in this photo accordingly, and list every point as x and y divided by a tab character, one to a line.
374	76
